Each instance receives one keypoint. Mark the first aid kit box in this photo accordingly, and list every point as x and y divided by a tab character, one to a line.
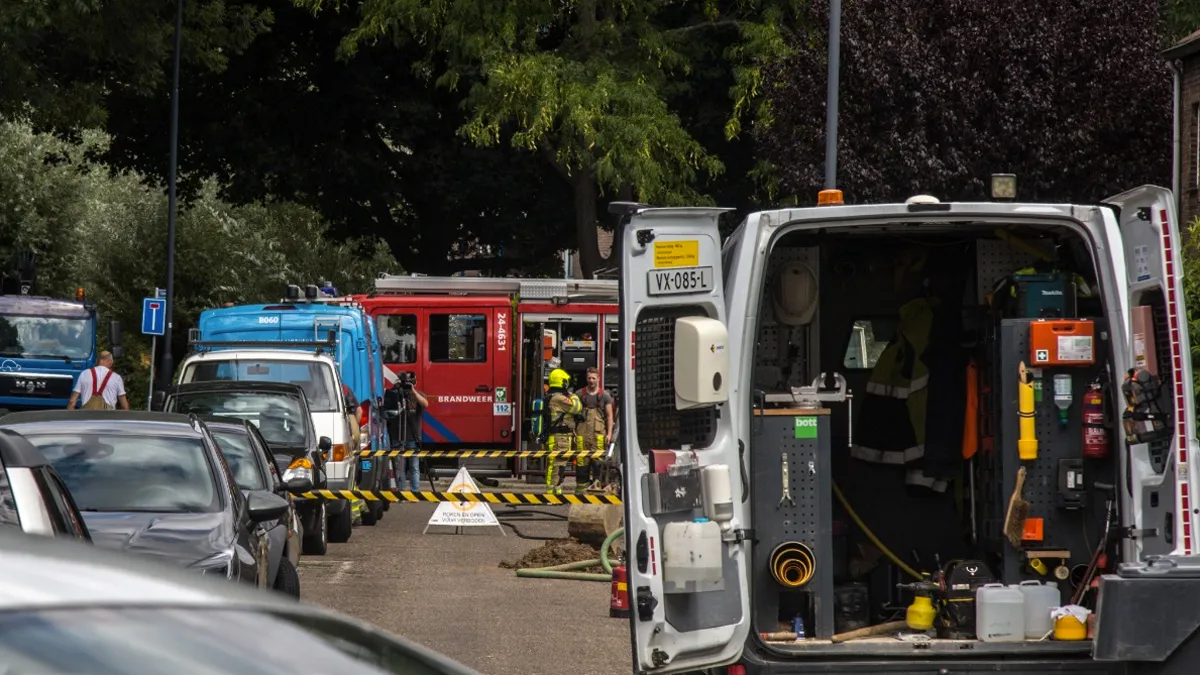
1055	342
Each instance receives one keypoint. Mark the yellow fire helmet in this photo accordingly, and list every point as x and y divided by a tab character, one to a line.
559	379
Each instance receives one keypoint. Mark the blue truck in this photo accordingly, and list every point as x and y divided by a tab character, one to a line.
359	362
45	343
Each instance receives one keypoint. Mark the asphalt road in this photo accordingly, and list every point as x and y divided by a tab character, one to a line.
447	592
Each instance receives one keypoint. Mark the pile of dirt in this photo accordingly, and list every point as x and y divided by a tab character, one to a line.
557	552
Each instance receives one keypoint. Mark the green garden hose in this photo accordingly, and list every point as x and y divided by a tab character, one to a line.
604	548
564	571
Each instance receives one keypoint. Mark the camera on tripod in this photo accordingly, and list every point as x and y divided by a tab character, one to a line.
401	392
406	380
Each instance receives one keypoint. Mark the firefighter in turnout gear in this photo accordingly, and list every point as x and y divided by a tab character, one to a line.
894	408
559	426
594	428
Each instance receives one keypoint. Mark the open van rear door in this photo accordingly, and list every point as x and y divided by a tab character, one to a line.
1159	486
1153	262
688	589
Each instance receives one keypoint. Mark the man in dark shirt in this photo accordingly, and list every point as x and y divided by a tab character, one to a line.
405	428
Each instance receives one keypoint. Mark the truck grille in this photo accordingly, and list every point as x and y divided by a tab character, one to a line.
35	385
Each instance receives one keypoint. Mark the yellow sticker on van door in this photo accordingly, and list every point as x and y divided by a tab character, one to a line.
681	253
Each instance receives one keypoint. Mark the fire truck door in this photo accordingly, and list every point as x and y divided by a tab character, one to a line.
533	373
458	375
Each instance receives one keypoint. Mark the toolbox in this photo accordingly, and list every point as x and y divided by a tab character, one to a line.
1055	342
1044	295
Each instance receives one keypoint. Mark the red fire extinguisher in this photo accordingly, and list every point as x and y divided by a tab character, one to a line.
1095	434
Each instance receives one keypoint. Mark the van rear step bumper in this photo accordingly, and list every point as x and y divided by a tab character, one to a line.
1014	666
941	649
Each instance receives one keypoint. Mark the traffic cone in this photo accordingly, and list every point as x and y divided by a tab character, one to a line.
618	606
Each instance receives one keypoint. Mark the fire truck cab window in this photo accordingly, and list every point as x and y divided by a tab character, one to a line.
398	337
458	338
868	339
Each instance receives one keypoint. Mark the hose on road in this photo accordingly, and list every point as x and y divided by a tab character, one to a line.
564	571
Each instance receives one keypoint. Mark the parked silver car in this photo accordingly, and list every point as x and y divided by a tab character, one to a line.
67	608
33	497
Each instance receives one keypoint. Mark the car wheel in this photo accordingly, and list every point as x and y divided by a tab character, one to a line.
341	525
317	541
287	579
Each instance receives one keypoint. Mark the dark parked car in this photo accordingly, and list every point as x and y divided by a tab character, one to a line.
255	470
66	608
280	411
32	495
156	484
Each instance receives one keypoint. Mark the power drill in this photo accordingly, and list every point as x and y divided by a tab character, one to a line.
921	612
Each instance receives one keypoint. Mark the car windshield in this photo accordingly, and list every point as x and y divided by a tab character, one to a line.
51	337
122	641
279	417
314	377
239	454
109	472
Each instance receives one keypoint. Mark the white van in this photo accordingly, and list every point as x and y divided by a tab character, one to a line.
317	374
844	407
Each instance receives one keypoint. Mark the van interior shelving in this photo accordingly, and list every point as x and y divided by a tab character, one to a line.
933	498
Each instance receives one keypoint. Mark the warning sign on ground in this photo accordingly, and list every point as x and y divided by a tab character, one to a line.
464	514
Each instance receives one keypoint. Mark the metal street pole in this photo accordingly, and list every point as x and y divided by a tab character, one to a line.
168	364
153	350
831	95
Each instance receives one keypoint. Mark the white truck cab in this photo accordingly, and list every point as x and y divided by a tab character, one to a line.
316	372
847	421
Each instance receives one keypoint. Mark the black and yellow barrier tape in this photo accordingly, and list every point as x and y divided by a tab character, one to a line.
487	454
489	497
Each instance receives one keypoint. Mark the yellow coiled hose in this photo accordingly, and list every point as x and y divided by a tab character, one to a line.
792	564
871	535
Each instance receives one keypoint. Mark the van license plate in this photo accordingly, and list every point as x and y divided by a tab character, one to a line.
680	280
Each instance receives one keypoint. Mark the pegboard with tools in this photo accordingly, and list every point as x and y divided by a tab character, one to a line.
996	259
1066	513
792	560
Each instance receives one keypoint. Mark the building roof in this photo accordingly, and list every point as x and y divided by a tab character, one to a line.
1184	48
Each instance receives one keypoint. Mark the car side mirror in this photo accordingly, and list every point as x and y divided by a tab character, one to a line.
116	343
299	485
324	444
266	506
158	400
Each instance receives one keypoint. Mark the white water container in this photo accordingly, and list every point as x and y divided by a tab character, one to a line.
999	613
1040	600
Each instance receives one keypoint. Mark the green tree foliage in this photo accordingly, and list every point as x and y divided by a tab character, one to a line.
937	95
586	85
60	60
106	232
1183	19
41	205
1191	292
364	141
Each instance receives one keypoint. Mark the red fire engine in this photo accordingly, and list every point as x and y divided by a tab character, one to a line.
481	347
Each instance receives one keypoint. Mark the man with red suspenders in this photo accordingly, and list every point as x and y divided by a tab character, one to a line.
100	387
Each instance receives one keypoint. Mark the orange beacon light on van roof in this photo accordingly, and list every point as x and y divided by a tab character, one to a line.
829	198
